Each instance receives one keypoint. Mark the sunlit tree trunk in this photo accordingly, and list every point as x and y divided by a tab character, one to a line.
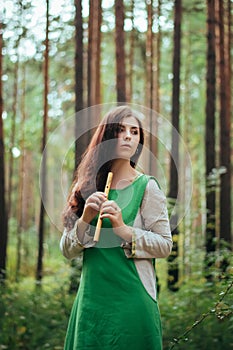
120	51
225	126
39	270
210	131
156	97
3	209
150	88
149	55
173	270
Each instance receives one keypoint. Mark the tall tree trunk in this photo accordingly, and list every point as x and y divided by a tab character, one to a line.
150	93
149	55
94	41
225	127
39	270
21	180
173	270
210	131
129	85
3	209
156	97
81	142
120	51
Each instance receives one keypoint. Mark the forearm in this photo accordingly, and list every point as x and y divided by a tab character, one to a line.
75	240
124	232
148	244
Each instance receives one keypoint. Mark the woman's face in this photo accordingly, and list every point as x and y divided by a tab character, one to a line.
128	138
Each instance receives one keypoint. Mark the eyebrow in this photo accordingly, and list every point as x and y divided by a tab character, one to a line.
131	126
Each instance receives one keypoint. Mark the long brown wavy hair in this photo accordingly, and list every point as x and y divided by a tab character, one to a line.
96	162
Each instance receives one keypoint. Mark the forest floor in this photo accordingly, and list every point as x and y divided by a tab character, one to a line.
197	316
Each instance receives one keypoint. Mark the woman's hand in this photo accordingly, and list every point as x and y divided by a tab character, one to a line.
93	205
111	210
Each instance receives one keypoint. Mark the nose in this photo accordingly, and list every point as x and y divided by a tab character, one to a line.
127	135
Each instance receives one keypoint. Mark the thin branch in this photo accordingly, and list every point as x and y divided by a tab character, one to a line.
203	317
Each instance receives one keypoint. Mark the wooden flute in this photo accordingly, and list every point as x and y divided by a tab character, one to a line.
99	222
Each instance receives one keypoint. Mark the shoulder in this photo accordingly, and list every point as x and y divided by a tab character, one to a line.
153	189
154	204
151	182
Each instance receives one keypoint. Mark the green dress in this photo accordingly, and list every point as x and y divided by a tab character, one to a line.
113	310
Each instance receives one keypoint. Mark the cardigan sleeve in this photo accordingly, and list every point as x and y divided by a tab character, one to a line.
151	231
71	244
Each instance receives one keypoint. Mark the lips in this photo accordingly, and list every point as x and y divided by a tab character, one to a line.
126	145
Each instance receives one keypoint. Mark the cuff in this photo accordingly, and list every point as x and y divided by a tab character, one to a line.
130	247
87	240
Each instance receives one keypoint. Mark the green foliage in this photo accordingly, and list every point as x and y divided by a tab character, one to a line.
199	316
32	319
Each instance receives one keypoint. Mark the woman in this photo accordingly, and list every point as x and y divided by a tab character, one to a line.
116	307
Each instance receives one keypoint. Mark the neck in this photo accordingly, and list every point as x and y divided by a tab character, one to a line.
123	173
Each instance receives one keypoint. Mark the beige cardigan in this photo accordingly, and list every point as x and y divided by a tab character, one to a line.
151	237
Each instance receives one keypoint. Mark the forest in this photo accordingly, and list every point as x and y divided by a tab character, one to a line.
63	64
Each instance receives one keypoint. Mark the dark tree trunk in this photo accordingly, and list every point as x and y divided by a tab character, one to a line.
94	41
3	210
81	142
225	127
39	270
120	51
210	131
173	271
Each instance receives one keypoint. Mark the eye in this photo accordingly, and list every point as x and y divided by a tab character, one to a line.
120	128
134	131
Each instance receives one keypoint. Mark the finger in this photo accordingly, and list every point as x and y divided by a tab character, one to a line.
110	209
94	205
97	198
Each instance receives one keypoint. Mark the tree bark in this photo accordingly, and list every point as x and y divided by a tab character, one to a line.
150	87
225	127
81	142
156	97
210	131
149	55
120	51
131	55
21	179
39	270
173	271
94	41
